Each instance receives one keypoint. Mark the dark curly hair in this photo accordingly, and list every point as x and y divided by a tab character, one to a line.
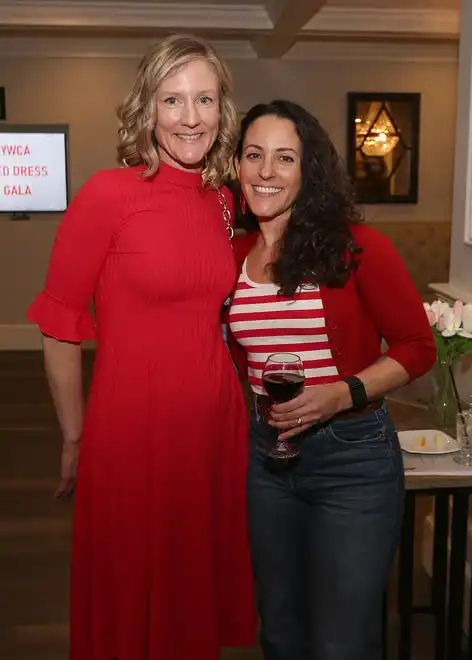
317	246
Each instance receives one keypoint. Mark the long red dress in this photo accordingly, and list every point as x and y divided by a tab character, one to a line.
160	562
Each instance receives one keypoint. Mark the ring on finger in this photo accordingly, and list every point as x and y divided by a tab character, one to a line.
300	421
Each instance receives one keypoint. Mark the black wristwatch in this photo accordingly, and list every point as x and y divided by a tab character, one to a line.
358	393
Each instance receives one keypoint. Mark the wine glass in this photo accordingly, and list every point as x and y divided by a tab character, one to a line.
464	438
283	377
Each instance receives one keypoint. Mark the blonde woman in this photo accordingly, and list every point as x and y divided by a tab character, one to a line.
160	567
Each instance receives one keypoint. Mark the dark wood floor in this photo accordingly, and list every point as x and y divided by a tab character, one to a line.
35	530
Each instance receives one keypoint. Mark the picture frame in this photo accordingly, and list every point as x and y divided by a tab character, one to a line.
383	133
3	110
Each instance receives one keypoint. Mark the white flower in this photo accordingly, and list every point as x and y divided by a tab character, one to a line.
432	318
466	330
449	318
439	307
458	310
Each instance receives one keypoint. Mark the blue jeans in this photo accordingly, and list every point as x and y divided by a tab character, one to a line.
323	538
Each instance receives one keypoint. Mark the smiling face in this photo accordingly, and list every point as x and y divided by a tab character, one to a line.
270	167
188	115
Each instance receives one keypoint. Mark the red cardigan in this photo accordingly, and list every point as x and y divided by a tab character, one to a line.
378	301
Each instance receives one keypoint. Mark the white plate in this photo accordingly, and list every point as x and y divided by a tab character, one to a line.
427	442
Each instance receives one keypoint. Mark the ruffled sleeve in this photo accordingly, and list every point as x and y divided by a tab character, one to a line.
81	246
56	319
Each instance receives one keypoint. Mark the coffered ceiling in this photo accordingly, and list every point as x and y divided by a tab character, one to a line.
256	28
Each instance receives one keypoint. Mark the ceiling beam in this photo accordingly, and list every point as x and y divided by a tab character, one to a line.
235	24
288	17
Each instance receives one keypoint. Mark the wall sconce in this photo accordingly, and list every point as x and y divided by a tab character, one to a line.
383	146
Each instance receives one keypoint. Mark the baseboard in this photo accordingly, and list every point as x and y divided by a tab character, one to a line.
21	337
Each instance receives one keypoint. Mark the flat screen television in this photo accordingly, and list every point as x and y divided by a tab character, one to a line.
33	168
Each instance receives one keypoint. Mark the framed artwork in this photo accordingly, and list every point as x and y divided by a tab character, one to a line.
383	146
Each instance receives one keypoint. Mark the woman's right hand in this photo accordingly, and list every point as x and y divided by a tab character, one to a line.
69	461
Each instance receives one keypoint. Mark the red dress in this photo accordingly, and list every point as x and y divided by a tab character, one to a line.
160	561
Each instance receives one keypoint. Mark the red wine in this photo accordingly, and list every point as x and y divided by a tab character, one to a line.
280	465
282	386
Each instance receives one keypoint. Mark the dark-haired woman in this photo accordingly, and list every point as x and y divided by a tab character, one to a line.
319	283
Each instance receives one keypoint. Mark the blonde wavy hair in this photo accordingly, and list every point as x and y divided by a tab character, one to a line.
138	113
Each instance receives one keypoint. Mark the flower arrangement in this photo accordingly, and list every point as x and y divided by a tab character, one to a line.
452	329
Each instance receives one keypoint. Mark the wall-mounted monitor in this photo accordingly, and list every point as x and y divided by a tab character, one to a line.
33	168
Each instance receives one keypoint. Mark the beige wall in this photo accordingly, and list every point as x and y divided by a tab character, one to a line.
83	92
322	87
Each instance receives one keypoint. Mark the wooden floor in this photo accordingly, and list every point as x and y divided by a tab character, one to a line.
35	530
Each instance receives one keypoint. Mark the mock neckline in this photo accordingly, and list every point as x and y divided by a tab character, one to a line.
178	176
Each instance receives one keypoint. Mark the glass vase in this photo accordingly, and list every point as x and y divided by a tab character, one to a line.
445	400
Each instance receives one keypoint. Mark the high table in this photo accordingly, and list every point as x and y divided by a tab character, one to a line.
450	486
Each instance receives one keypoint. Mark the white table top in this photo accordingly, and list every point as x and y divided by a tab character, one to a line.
435	466
423	471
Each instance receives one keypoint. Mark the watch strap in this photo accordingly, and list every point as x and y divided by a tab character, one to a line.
358	393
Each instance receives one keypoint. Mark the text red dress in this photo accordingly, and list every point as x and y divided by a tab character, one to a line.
160	565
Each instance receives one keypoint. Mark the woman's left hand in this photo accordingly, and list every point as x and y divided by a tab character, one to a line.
314	405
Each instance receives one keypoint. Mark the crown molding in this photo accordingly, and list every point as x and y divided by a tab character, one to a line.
122	13
252	18
133	48
103	47
369	51
371	20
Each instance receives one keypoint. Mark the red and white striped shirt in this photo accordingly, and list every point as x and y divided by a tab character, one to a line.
264	322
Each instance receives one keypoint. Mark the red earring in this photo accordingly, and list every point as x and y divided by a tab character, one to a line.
242	203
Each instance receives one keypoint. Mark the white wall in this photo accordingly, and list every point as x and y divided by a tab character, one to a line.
84	91
461	254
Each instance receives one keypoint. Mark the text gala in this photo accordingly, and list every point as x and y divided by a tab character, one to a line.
16	191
